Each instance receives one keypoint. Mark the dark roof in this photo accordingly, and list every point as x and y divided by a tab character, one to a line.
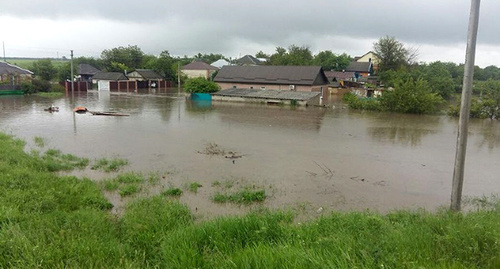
87	69
6	68
198	65
269	74
148	74
248	60
339	74
109	76
359	67
268	94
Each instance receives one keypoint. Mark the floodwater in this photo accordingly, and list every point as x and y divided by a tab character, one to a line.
313	160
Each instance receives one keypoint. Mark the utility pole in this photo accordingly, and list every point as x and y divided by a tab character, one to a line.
179	76
458	173
72	88
4	59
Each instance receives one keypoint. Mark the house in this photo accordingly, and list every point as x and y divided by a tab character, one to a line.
86	72
281	78
360	69
337	78
369	57
248	60
11	76
220	63
150	78
198	69
103	79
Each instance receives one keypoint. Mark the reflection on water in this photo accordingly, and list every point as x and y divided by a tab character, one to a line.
490	134
379	161
407	130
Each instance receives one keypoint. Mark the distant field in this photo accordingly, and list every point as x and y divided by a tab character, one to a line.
27	63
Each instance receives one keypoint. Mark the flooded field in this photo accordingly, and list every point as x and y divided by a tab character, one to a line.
309	159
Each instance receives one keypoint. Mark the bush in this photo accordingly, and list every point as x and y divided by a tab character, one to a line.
411	96
200	85
41	85
27	87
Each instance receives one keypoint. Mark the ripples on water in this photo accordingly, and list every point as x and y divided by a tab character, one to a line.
379	161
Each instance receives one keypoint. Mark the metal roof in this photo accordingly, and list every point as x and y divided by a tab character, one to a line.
148	74
269	74
198	65
109	76
6	68
87	69
268	94
359	67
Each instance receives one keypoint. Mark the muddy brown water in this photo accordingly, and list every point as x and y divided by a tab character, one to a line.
312	160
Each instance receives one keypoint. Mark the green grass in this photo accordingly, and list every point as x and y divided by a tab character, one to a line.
172	192
55	160
245	196
126	184
39	141
194	186
51	221
107	165
50	94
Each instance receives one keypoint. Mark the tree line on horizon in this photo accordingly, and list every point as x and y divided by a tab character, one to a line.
397	65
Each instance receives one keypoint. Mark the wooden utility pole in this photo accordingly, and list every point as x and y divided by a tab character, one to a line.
458	173
72	87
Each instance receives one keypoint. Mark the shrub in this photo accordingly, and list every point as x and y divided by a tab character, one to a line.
200	85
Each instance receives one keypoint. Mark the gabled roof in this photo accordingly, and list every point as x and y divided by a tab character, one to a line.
109	76
248	60
6	68
268	74
87	69
339	74
148	74
198	65
359	67
220	63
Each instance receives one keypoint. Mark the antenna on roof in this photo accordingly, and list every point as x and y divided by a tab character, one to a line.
4	59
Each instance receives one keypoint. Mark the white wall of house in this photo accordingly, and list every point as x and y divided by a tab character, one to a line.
198	73
366	58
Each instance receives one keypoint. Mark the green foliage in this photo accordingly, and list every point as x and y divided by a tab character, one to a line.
28	87
200	85
55	160
411	97
44	69
39	141
392	54
40	85
356	102
106	165
245	196
330	61
122	58
194	186
294	56
49	221
172	192
487	105
126	184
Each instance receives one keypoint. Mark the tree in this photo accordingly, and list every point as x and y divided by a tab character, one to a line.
44	69
200	85
294	56
261	54
393	54
330	61
122	58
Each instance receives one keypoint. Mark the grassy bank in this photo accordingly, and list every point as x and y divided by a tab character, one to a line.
51	221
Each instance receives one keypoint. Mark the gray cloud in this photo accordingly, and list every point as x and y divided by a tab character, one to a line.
188	27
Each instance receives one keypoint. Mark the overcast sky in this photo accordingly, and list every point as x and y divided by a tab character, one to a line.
438	28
